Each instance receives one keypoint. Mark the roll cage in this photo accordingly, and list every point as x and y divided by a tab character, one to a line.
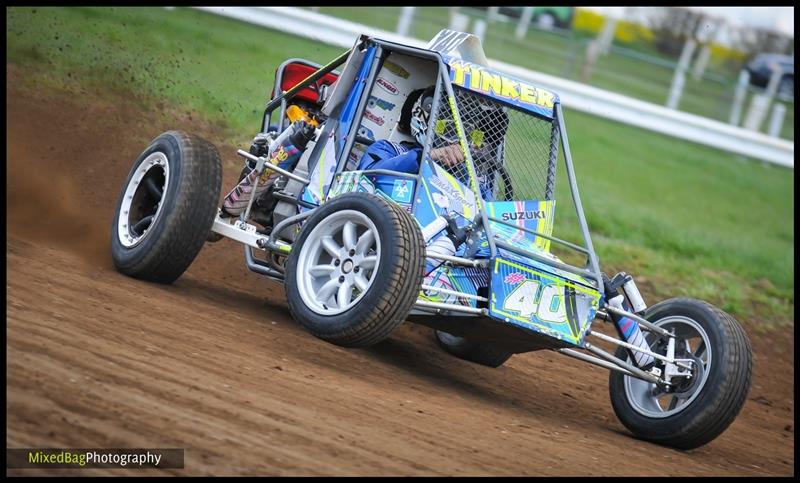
346	105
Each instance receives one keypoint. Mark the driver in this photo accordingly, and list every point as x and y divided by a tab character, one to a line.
405	156
484	124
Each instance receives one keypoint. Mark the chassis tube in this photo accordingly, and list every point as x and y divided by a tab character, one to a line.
451	307
304	83
576	197
536	233
625	365
594	360
453	292
350	136
638	349
563	266
445	79
649	325
259	267
286	223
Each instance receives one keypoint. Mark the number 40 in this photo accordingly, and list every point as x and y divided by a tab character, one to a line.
549	307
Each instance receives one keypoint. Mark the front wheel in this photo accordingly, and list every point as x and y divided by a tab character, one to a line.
697	409
355	270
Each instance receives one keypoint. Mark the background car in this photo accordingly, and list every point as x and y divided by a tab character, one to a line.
544	17
760	71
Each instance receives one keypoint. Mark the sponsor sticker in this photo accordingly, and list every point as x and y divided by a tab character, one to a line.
372	117
475	77
387	86
402	191
450	193
514	278
380	103
523	215
366	132
447	40
396	69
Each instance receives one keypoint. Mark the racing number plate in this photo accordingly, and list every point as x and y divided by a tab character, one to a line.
540	301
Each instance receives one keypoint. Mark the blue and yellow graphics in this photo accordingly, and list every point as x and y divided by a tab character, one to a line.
502	87
443	193
532	215
529	296
450	206
396	188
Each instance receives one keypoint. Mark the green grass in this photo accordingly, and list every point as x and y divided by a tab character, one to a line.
685	219
202	62
685	212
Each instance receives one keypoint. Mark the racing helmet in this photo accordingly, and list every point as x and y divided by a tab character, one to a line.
419	113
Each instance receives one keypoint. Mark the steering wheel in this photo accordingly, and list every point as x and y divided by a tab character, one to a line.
495	165
364	140
509	187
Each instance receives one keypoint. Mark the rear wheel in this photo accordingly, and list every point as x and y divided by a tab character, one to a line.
698	409
167	206
473	351
355	270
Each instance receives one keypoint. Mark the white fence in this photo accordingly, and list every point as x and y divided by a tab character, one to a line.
574	95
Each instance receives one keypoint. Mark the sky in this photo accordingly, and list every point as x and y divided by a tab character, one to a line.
777	18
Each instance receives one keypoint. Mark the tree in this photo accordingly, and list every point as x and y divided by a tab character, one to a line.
673	26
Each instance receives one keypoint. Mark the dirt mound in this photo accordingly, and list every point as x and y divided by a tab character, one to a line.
215	365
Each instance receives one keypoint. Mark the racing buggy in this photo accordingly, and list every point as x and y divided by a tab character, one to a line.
463	244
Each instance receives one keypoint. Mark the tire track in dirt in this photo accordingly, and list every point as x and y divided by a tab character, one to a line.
214	363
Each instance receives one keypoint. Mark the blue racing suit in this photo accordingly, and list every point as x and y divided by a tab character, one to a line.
405	157
385	154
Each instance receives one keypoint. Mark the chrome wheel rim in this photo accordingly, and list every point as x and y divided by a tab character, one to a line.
692	342
143	200
338	262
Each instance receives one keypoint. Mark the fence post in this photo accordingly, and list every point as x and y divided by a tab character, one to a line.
404	23
678	80
701	62
592	51
492	13
524	22
738	97
776	121
572	56
606	36
707	32
458	21
479	28
760	103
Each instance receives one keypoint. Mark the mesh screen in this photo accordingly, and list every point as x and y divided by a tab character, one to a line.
514	153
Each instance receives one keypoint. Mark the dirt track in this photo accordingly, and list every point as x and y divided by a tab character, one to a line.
215	364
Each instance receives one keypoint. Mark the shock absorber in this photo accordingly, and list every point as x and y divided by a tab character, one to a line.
284	152
627	328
